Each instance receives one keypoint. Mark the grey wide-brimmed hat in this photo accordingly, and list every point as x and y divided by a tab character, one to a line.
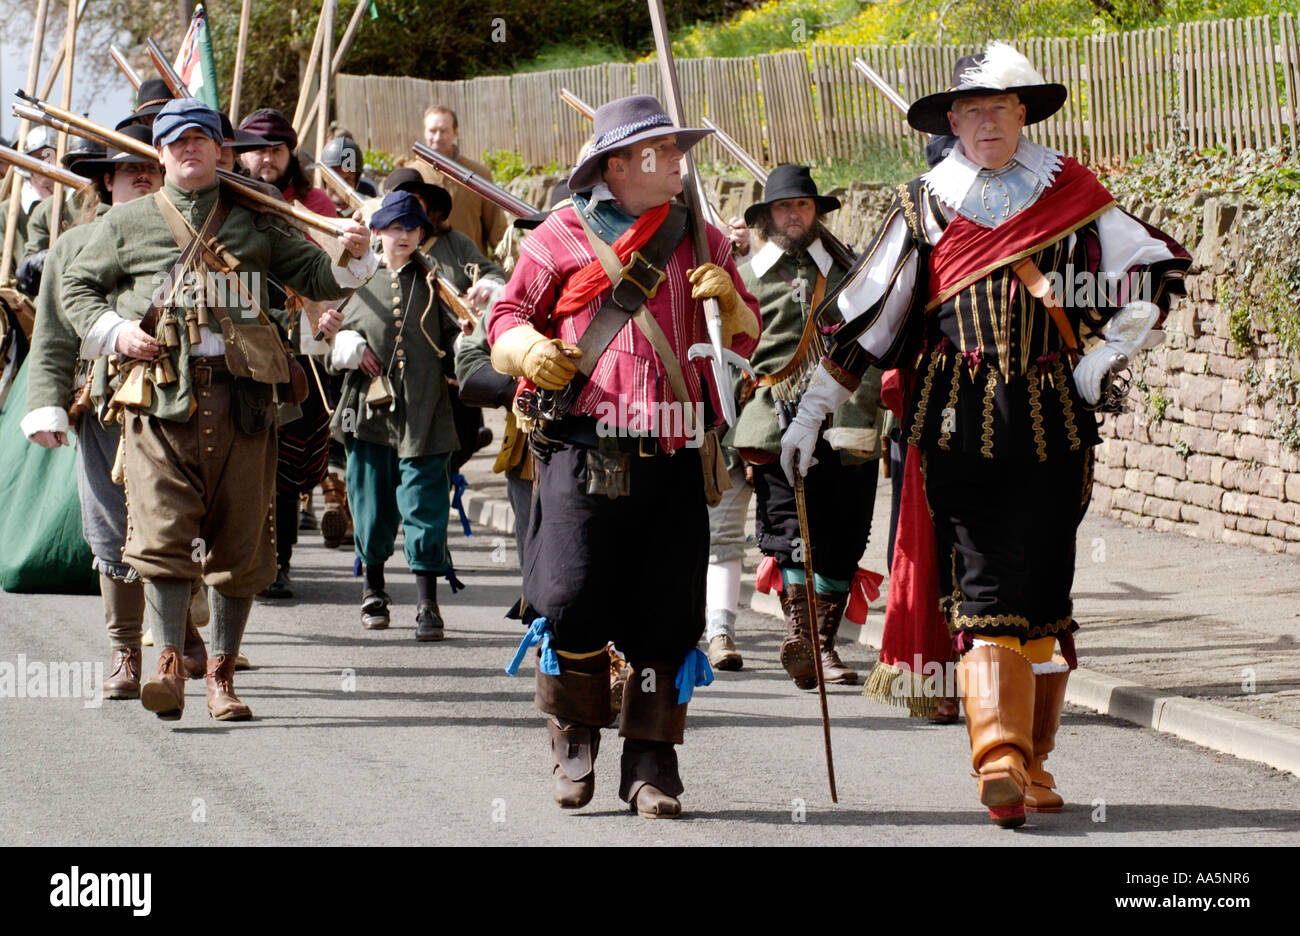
1000	70
624	122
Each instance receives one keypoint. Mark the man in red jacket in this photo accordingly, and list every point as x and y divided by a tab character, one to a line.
618	534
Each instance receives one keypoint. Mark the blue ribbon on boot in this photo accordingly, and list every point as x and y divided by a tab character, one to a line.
539	632
458	485
455	583
694	671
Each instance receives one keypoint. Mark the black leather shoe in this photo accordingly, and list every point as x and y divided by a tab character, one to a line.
428	622
280	588
374	609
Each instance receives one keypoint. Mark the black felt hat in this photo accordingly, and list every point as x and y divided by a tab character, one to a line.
406	179
152	95
789	181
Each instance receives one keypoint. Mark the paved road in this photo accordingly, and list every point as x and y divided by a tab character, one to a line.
435	745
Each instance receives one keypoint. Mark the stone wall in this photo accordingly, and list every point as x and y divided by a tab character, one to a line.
1197	453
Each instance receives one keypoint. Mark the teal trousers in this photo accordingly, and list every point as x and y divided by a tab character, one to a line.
384	490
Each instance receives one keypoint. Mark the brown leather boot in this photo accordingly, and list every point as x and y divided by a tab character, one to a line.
195	653
124	681
652	723
997	686
830	609
335	518
164	695
796	648
578	702
1049	696
223	704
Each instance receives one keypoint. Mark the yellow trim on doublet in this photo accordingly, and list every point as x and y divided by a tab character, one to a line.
1036	414
918	424
986	440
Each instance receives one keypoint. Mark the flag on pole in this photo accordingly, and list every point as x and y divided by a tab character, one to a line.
194	62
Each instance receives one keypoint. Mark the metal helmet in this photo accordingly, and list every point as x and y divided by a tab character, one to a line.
80	148
343	153
39	138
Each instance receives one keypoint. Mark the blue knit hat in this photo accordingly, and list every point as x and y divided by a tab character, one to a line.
185	114
403	208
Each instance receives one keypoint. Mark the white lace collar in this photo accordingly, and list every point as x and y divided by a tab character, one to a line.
953	177
767	257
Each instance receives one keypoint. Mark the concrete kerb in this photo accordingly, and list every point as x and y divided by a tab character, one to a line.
1202	723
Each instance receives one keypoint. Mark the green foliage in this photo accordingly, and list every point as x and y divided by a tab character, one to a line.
792	24
1182	449
575	55
505	165
379	162
1157	404
877	161
769	27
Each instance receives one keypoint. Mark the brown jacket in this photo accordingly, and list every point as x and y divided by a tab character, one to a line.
477	218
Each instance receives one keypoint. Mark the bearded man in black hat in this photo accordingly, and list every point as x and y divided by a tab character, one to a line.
600	312
790	274
965	279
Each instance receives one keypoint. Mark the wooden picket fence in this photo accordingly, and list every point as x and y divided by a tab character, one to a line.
1225	83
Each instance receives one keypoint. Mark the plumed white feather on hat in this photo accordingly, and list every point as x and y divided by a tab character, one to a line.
1001	67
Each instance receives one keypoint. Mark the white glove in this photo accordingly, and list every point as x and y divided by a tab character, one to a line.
824	396
1126	333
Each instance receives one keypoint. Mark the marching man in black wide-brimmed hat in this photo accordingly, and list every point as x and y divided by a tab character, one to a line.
789	275
960	282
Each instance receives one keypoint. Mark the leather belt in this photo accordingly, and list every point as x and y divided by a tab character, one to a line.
205	370
582	432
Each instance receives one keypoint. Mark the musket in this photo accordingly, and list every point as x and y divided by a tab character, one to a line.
49	170
165	69
886	91
577	103
246	190
354	198
722	365
131	74
474	182
586	110
836	247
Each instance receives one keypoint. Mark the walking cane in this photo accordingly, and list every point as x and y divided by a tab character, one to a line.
810	592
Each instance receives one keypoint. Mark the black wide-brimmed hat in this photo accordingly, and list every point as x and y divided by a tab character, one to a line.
407	179
94	169
1000	70
789	181
624	122
152	95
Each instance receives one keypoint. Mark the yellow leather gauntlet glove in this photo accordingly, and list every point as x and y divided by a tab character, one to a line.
525	352
710	281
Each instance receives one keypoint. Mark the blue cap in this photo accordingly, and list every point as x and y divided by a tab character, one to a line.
185	114
403	208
